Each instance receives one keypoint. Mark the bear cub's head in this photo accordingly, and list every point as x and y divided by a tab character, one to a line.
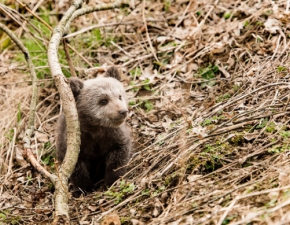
101	101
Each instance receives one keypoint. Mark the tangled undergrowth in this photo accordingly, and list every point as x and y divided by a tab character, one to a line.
208	87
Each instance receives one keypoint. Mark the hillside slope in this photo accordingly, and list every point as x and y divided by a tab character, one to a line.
208	87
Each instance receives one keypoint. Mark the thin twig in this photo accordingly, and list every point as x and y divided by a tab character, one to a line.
39	18
68	59
90	9
87	29
147	34
37	166
30	127
227	211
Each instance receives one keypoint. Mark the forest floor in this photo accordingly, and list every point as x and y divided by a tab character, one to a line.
208	88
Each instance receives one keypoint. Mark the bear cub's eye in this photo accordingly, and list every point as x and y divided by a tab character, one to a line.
120	97
103	102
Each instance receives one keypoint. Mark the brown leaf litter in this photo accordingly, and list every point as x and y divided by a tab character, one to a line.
208	85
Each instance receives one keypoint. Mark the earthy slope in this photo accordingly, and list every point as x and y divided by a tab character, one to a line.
208	83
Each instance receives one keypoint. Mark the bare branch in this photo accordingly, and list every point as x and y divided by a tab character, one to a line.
37	166
88	10
71	67
29	10
30	128
32	73
73	129
87	29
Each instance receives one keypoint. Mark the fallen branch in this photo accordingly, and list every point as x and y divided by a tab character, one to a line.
37	166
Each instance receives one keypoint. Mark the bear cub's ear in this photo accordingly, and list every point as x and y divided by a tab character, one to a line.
76	86
113	72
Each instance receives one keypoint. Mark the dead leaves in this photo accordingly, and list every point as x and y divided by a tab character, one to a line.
196	114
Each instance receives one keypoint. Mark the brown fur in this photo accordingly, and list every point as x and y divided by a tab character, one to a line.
105	139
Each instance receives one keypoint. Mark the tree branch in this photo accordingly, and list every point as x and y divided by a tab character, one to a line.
30	127
32	73
68	59
87	10
73	128
70	111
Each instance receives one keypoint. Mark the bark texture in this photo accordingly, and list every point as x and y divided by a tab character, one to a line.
73	128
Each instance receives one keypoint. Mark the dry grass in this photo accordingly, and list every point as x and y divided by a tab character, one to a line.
211	145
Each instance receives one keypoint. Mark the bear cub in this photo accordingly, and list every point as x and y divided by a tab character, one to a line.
105	139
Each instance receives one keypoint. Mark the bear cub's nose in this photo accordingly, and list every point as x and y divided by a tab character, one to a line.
123	112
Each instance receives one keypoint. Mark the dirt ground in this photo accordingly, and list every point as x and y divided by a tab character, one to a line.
208	89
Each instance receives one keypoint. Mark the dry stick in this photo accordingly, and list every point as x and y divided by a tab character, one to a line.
114	208
147	34
264	192
265	212
30	128
141	58
12	146
213	111
80	55
33	10
227	211
207	202
29	10
262	116
181	155
20	20
259	151
277	47
37	166
230	128
249	195
237	99
74	50
125	202
241	123
98	26
73	127
7	11
243	117
203	197
121	49
71	67
87	10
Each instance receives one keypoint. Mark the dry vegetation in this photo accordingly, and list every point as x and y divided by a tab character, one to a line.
208	83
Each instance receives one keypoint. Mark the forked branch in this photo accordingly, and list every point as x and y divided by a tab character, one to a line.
73	129
30	126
